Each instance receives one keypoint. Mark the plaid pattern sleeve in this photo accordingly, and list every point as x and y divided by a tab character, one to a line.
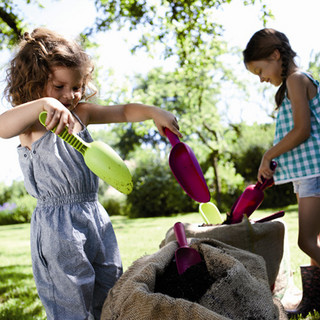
304	160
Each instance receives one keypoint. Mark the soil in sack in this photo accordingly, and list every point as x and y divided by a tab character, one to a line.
191	285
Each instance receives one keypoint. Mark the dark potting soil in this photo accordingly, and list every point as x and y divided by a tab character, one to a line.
191	285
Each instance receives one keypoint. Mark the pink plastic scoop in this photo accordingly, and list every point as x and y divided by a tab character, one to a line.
250	199
186	257
186	169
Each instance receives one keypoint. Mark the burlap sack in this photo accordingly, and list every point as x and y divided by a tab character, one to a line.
265	239
241	290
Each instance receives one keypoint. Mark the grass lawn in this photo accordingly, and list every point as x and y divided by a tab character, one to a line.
136	237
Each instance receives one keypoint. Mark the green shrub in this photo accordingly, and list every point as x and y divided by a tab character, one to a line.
156	192
255	140
279	196
112	206
25	208
19	211
16	205
112	200
231	186
9	193
6	213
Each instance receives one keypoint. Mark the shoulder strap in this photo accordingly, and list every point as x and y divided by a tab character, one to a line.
315	82
77	117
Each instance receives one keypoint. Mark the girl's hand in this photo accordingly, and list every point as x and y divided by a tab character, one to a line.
58	116
264	170
165	119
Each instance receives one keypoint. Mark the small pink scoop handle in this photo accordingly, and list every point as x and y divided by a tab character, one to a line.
186	257
173	138
250	199
180	234
267	182
271	217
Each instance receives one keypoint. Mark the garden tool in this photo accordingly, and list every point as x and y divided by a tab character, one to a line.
186	169
250	199
210	213
271	217
310	292
100	158
186	257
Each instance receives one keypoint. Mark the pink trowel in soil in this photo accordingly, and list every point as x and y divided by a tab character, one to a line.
186	257
186	169
250	199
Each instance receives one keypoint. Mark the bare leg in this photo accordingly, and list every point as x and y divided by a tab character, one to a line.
309	228
313	262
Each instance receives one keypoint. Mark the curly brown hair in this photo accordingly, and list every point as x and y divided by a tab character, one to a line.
38	53
262	44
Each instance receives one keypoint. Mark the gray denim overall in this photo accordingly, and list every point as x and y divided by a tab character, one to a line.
75	256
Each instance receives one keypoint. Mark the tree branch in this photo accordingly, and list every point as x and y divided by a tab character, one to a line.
11	20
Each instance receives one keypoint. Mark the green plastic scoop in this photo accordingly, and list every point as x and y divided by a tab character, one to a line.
100	158
210	213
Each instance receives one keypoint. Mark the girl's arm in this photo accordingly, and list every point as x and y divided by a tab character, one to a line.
132	112
19	119
297	86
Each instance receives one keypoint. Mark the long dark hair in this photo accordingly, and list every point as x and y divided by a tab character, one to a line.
262	44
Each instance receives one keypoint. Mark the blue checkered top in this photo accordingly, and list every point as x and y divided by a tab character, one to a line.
304	160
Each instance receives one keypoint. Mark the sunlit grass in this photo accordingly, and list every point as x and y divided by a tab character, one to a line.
18	294
136	238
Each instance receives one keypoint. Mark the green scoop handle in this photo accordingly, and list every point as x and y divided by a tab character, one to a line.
100	158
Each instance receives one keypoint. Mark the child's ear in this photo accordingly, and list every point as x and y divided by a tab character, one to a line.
276	54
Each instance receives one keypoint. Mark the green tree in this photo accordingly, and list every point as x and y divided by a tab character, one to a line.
193	97
251	143
180	27
314	65
187	31
11	22
156	192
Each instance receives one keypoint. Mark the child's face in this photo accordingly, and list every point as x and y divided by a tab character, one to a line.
268	70
65	84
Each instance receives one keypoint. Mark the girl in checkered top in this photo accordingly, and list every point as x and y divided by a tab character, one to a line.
296	145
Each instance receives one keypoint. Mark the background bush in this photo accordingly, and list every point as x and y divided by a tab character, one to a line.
16	205
112	200
247	153
156	192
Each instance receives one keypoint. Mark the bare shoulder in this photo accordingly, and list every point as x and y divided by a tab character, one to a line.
83	111
299	82
297	77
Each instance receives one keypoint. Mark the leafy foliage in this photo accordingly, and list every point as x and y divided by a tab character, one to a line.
156	192
192	95
11	22
16	206
314	66
179	27
186	30
251	144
